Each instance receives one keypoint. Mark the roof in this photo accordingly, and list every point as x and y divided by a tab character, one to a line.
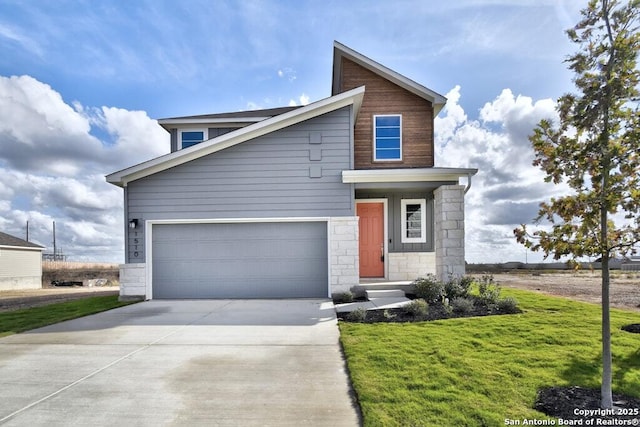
9	241
353	97
232	118
341	51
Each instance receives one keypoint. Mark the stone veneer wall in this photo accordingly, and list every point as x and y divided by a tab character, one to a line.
344	256
133	281
411	265
449	231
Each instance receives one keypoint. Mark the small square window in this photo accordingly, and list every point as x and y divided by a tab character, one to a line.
191	137
414	220
387	138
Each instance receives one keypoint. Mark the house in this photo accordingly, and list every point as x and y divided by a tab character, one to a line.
20	263
631	263
297	201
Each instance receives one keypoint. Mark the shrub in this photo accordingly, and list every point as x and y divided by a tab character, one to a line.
458	287
342	298
429	288
388	315
417	307
357	315
462	305
508	305
465	283
447	307
489	290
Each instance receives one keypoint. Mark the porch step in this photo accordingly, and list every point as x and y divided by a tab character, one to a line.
377	300
387	293
359	290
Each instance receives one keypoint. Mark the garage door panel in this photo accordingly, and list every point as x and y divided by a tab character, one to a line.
240	260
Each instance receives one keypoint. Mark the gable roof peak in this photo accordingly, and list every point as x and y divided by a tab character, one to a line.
341	51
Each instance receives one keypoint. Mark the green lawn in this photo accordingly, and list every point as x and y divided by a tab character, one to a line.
13	322
481	371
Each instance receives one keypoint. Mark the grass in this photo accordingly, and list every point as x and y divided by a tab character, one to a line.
481	371
13	322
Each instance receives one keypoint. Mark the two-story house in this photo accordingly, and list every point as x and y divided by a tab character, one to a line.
297	201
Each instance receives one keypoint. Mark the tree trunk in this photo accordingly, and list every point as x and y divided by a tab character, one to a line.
605	390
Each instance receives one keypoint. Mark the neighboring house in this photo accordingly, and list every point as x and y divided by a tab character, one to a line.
20	263
297	201
632	263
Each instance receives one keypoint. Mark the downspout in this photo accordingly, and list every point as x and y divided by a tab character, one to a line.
468	183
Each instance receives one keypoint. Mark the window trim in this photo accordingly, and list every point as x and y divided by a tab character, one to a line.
205	135
375	157
423	220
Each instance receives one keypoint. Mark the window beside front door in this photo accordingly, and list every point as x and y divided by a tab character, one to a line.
414	220
387	137
191	137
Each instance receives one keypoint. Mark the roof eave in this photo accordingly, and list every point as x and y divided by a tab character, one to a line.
171	123
405	175
26	248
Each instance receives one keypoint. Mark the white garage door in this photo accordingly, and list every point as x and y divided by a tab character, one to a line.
240	260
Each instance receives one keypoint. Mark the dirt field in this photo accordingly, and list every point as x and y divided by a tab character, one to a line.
581	286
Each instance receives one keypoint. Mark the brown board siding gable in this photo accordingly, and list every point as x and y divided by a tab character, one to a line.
384	97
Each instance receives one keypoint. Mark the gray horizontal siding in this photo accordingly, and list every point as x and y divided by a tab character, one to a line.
266	177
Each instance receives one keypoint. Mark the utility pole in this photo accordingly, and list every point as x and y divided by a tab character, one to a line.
27	231
55	252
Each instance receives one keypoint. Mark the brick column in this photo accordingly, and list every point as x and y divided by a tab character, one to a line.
449	231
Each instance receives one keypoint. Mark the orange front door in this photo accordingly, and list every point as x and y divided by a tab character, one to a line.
371	239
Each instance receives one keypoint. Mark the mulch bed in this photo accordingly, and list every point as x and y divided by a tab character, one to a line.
436	312
634	328
564	402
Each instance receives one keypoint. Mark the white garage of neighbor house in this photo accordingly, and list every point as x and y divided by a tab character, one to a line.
297	202
20	263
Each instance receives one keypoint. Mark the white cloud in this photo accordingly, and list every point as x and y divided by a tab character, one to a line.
302	100
138	138
507	189
288	73
14	35
53	167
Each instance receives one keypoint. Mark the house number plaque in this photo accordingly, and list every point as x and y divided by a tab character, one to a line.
136	249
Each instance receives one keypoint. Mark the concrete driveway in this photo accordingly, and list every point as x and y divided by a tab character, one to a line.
205	362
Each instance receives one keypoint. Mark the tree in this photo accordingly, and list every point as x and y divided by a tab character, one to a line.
595	149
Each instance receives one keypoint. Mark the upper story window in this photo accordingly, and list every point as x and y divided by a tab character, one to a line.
191	137
414	220
387	137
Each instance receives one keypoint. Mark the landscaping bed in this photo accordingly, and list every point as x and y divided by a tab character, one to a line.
436	311
434	300
562	402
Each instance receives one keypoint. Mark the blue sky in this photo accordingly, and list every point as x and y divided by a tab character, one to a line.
81	83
